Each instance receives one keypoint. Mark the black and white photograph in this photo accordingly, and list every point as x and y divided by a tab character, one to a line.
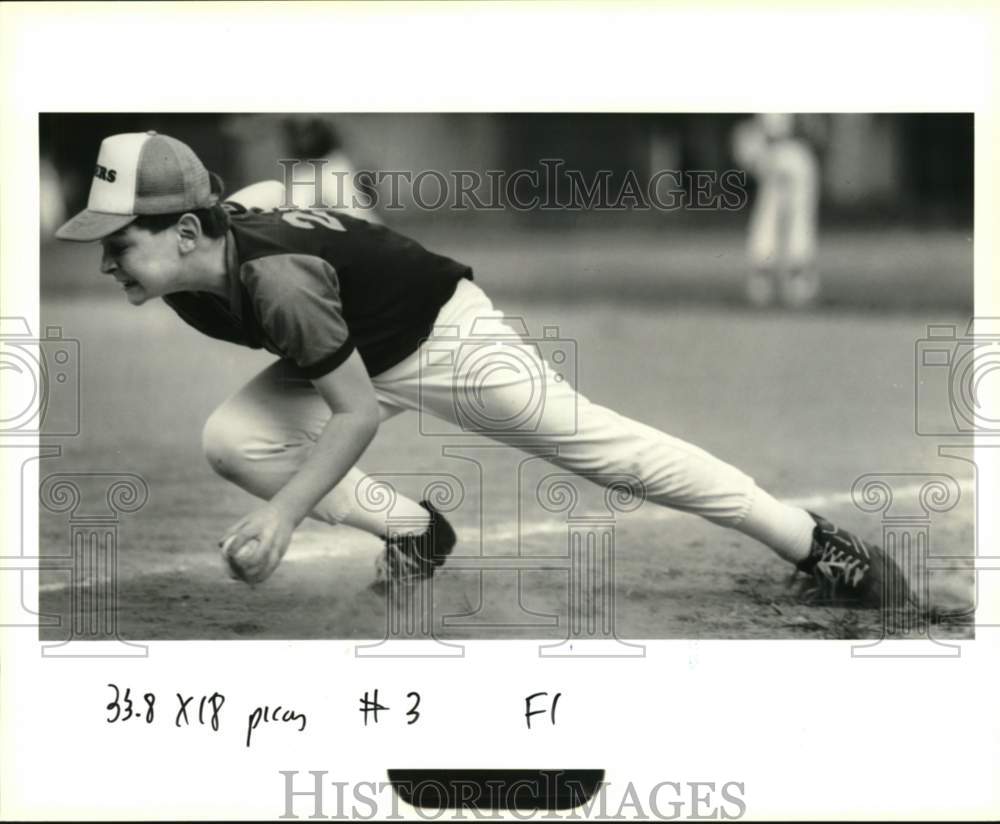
568	376
498	411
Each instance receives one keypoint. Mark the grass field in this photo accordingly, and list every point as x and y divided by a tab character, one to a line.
804	403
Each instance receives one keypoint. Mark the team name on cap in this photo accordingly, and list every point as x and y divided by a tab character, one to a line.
104	173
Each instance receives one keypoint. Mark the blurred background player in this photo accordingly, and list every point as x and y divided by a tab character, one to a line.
309	137
260	140
781	242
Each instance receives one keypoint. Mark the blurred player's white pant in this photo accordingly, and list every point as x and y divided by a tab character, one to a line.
783	221
477	370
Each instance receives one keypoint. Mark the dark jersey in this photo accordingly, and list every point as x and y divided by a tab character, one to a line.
313	286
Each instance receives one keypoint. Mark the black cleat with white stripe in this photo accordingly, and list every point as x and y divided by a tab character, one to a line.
850	571
408	559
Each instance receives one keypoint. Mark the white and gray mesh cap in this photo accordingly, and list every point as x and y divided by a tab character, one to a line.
139	174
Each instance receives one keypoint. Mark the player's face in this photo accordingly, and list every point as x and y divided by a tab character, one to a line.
145	264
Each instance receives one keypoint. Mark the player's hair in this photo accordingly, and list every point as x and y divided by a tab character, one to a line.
214	219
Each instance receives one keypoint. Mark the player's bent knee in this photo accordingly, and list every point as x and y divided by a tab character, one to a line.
224	444
214	443
237	446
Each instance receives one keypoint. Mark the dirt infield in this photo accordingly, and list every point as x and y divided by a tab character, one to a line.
767	391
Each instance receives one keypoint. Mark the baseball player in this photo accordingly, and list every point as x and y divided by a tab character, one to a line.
344	306
781	239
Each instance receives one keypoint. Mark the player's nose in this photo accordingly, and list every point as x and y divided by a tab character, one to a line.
108	264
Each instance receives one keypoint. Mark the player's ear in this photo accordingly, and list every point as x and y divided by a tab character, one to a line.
188	231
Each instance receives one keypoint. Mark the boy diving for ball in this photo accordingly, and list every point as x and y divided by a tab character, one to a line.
344	305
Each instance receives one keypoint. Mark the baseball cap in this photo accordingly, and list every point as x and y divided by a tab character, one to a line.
142	173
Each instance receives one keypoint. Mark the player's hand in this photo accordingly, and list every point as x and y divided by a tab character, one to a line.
254	546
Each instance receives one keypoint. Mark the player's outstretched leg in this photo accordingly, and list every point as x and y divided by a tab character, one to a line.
601	445
845	569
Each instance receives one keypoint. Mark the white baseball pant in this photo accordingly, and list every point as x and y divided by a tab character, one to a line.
476	366
784	218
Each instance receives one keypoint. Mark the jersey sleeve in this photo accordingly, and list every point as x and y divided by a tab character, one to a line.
296	299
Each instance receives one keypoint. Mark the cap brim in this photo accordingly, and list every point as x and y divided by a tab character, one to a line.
88	226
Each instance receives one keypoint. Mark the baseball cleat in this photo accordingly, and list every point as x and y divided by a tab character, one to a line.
411	558
848	570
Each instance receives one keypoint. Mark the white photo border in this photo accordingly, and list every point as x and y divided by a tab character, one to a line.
923	741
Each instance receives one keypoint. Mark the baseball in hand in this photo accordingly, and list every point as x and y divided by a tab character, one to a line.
242	562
